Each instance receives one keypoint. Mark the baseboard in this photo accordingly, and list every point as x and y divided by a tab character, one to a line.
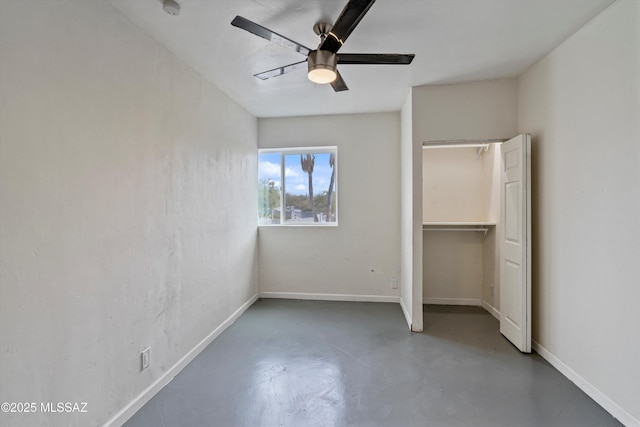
330	297
452	301
128	411
407	316
601	399
491	309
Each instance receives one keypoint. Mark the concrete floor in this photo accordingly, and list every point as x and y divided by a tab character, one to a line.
318	363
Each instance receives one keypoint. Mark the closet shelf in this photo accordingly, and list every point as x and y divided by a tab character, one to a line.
453	224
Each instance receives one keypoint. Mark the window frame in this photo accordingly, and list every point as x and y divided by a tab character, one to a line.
294	151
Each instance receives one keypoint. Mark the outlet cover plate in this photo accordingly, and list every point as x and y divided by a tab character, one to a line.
145	358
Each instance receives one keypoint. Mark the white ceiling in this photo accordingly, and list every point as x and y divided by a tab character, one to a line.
454	41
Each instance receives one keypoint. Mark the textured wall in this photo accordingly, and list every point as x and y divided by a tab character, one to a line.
581	105
487	109
127	209
338	260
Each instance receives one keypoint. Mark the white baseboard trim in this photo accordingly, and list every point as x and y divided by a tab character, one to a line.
330	297
452	301
609	405
407	316
491	309
128	411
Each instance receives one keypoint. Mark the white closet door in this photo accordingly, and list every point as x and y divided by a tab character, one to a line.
515	246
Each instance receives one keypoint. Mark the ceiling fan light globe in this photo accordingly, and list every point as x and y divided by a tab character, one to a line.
322	75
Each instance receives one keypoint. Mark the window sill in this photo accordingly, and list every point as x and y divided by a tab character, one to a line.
302	225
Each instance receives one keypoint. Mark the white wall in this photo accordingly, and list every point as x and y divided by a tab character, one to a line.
411	220
127	209
486	109
457	185
581	104
307	261
453	267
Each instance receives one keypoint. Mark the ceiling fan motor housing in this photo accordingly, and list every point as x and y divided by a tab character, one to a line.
322	63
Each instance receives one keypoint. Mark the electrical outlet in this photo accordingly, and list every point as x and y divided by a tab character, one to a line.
145	358
393	281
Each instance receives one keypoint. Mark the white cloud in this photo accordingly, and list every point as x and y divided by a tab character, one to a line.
301	187
290	173
268	170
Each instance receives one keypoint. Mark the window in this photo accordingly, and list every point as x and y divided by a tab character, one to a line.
302	180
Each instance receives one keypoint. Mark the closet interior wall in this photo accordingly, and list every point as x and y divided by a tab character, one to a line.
460	194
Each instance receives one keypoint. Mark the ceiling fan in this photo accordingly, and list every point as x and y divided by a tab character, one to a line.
322	62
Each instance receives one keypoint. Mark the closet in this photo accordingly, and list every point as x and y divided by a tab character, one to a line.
476	221
475	203
460	216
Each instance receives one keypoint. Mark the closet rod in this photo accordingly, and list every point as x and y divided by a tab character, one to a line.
483	230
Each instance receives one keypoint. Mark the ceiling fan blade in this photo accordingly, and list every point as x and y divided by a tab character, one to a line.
338	84
375	58
281	70
349	18
266	33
